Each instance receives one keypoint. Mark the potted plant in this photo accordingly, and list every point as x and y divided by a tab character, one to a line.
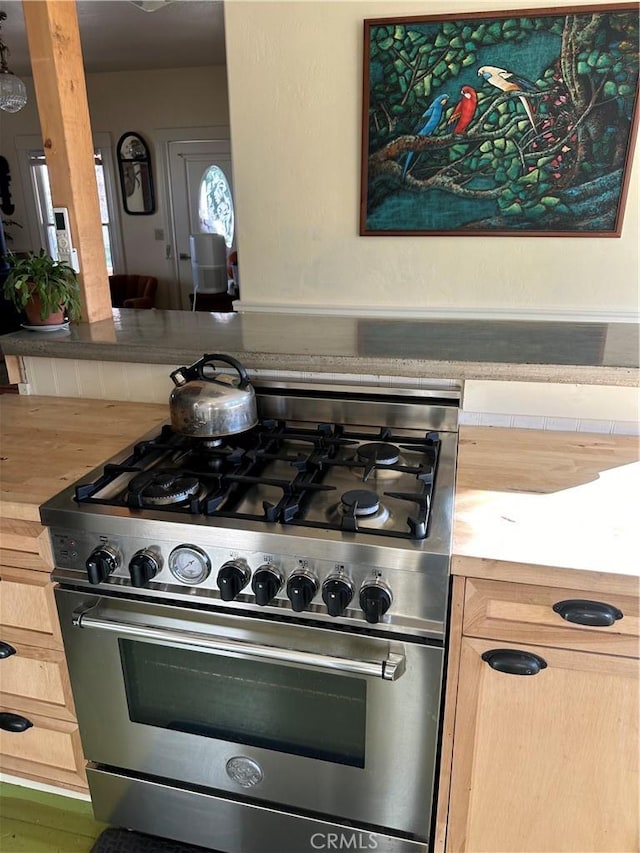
45	289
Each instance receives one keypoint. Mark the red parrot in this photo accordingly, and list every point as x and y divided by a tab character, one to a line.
465	108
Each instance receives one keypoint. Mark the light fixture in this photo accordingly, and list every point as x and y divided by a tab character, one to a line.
13	92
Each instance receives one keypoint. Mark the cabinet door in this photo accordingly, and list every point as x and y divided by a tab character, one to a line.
545	762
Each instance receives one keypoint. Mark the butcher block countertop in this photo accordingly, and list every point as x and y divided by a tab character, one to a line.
551	508
46	443
530	502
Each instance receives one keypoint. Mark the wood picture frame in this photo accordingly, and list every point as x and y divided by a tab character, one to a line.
136	176
510	123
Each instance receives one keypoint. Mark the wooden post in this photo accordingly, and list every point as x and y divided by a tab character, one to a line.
58	76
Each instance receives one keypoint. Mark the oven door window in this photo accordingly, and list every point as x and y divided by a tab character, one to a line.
257	703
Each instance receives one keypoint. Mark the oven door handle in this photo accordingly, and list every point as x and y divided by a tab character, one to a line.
389	669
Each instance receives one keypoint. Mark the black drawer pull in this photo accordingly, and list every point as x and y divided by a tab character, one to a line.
6	650
582	612
14	722
514	662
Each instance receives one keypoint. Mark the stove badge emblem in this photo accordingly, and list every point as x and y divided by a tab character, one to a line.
244	771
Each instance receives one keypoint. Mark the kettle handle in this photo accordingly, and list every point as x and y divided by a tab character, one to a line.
196	370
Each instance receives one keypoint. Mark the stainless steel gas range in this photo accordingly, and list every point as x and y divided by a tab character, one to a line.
255	627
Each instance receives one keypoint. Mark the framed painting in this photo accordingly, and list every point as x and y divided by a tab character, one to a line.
500	123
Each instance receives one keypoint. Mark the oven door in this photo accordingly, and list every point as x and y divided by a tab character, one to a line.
304	717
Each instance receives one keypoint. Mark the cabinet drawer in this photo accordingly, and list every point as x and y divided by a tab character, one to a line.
25	544
27	608
35	679
524	614
49	750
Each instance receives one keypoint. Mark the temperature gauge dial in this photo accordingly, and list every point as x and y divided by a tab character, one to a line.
189	564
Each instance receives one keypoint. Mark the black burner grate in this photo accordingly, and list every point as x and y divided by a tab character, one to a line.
305	459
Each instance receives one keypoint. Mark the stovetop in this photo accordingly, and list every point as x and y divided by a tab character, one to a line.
328	477
350	487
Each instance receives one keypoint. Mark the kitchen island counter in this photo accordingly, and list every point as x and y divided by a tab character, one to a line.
531	506
564	352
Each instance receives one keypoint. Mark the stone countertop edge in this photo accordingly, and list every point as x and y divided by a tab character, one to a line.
409	368
330	344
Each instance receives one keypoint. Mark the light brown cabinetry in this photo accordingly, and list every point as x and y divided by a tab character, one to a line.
547	761
39	736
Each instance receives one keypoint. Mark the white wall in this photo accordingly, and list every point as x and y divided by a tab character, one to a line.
295	86
145	102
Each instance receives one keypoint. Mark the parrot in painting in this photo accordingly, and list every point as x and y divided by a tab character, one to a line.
464	110
432	114
507	81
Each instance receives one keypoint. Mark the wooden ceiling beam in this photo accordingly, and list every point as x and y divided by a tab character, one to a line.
61	94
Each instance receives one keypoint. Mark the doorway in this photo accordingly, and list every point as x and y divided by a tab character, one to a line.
201	187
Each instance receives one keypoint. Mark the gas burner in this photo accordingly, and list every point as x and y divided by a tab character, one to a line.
371	460
378	453
360	502
204	444
162	488
208	456
359	508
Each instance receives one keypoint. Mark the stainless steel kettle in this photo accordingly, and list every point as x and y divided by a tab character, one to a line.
207	404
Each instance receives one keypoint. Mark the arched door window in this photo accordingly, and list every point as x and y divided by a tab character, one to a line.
216	205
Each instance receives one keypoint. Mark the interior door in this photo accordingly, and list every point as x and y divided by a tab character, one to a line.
188	163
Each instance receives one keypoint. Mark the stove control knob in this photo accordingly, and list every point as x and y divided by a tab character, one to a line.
301	588
266	583
102	561
232	579
375	599
337	592
143	566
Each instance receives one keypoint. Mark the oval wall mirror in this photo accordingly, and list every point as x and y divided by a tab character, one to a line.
136	179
